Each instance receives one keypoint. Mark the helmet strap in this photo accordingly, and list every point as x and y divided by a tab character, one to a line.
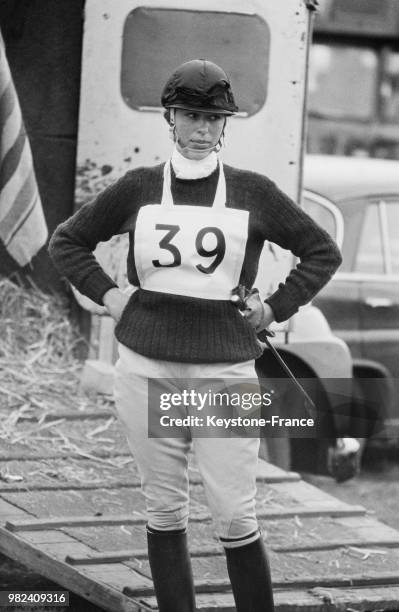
221	141
172	125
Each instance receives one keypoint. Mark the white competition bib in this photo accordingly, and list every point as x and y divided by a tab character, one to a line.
196	251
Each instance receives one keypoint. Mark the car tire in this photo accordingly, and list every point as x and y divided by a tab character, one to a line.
368	410
300	454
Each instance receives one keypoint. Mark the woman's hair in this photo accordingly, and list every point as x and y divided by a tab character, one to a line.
167	115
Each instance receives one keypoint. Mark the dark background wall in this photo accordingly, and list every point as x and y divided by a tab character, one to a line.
43	41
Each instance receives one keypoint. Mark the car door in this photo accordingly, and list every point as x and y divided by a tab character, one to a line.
339	300
377	267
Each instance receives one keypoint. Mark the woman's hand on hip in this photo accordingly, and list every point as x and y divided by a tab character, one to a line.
115	302
259	314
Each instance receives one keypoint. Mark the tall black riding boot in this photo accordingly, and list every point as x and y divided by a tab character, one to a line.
171	570
250	579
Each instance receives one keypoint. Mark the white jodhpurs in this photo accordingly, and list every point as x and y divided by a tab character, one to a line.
227	465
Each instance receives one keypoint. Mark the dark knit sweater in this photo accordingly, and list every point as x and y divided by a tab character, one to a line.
186	329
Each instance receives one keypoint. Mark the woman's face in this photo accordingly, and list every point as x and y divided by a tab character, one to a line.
197	133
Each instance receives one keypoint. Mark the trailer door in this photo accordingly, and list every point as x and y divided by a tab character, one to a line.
131	47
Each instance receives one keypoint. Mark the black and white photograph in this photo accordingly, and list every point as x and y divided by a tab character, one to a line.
199	305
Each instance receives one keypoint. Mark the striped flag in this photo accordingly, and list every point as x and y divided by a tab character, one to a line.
23	228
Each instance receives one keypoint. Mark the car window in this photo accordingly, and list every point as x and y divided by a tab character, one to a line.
370	254
392	210
322	215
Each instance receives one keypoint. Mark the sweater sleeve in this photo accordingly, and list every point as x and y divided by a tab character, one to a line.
319	257
73	242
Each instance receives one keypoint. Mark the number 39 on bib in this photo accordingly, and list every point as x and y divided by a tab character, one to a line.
190	250
196	251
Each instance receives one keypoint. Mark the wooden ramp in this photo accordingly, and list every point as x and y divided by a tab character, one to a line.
75	514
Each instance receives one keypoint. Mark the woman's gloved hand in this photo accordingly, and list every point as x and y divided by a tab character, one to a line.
115	302
259	314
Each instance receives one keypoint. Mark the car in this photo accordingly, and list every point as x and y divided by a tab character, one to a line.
356	200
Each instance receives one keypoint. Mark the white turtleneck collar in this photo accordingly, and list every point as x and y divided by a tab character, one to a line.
193	168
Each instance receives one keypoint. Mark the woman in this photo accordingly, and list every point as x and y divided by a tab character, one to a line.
196	231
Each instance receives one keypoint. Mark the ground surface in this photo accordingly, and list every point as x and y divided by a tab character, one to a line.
377	488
